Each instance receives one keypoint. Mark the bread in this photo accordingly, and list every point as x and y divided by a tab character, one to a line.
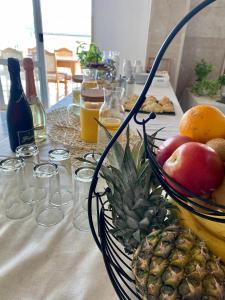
164	100
150	99
168	107
151	104
153	107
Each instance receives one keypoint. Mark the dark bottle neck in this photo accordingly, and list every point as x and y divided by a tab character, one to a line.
16	88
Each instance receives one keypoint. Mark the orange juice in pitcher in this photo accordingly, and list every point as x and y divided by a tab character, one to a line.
91	101
111	124
111	114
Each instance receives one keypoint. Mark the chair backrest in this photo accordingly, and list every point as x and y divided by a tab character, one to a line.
63	52
50	62
10	52
33	53
163	66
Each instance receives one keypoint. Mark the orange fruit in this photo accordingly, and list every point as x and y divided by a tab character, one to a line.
203	123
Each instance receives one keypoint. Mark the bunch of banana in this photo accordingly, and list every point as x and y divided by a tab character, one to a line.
213	233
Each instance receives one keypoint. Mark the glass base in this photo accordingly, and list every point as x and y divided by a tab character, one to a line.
18	210
81	222
62	198
50	216
30	195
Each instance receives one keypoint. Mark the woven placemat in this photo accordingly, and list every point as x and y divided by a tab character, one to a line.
65	131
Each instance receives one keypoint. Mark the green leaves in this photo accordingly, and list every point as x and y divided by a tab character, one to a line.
205	87
91	56
202	70
202	85
221	80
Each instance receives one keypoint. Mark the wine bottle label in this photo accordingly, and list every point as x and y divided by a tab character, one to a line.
26	137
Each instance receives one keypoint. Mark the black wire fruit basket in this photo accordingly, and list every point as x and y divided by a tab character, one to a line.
117	261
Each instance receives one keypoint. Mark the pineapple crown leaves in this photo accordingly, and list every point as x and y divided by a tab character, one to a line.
134	195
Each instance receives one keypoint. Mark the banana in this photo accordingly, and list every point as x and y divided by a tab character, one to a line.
215	242
215	228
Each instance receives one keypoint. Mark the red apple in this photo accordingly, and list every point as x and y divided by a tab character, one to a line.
166	149
195	166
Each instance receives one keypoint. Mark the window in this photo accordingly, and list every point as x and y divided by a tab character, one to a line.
65	22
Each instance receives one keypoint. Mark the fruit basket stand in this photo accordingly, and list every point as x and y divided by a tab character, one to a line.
117	260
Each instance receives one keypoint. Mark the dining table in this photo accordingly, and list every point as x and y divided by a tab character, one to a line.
60	262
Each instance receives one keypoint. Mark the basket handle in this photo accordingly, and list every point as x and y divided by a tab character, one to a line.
139	103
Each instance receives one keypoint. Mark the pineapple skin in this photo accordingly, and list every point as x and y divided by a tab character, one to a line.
174	264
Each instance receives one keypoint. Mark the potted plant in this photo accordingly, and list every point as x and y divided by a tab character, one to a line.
92	58
202	85
202	70
89	57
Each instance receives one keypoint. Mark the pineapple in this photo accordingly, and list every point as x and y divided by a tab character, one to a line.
135	196
173	263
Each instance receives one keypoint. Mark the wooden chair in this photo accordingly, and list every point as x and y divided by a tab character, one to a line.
164	65
51	69
52	74
33	53
5	54
63	52
10	52
66	68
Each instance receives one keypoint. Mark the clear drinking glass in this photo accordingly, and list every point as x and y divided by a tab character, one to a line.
76	90
115	56
30	154
73	110
62	158
82	177
92	157
11	174
47	187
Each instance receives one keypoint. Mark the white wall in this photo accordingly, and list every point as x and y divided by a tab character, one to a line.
122	25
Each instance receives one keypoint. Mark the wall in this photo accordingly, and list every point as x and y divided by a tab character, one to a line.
122	25
205	38
164	16
137	29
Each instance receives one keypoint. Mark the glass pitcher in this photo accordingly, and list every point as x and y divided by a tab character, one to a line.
111	114
89	79
78	89
90	104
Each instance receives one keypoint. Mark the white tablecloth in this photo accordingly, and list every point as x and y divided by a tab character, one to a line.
60	262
